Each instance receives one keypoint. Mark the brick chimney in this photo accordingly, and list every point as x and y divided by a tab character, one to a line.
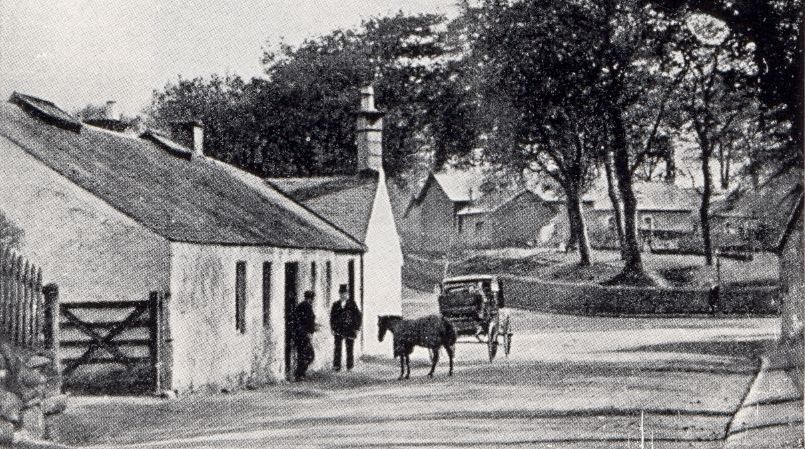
190	135
369	133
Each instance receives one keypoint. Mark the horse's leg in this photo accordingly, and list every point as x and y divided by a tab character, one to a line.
408	365
435	361
402	366
450	350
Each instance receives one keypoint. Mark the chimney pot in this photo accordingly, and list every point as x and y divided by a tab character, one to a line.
110	111
368	99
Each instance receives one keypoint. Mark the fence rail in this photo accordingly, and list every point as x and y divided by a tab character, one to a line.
26	306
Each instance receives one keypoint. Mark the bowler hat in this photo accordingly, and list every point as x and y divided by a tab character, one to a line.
343	288
309	294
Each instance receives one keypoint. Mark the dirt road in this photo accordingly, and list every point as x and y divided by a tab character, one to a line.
569	382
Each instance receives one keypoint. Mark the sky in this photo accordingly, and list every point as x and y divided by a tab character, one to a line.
77	52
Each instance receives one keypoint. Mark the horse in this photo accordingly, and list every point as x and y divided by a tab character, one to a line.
432	332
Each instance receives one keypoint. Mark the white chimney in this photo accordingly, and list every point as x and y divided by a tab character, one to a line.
189	134
110	111
369	133
198	138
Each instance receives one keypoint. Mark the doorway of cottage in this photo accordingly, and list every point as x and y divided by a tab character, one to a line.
291	298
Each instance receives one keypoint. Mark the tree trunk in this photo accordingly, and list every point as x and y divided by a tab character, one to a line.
617	207
578	227
704	209
633	263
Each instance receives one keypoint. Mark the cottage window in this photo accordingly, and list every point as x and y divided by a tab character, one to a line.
648	222
479	226
240	297
266	293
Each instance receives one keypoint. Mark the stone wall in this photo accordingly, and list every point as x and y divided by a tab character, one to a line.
584	298
594	299
30	392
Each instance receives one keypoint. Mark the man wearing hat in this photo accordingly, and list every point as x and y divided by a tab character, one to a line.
305	324
345	322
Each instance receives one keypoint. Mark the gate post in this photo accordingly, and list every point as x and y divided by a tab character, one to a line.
166	355
50	326
50	329
155	337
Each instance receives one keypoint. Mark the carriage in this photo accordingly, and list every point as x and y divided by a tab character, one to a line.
475	306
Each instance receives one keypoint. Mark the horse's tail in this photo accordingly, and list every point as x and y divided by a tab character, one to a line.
449	333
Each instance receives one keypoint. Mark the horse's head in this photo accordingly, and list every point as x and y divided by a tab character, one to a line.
386	323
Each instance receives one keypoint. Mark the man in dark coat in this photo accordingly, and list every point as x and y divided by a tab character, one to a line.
305	324
345	322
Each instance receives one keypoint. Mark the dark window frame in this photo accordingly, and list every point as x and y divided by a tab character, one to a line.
240	296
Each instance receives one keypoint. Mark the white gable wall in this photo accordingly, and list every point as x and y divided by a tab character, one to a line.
382	271
90	249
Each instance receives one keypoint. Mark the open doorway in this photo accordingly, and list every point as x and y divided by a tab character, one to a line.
291	298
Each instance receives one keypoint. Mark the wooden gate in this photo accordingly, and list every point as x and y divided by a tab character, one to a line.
128	333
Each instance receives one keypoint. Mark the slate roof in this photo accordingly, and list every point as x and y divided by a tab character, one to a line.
460	185
657	197
346	201
771	206
493	201
195	201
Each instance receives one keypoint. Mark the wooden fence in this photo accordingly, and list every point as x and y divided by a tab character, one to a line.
127	333
26	306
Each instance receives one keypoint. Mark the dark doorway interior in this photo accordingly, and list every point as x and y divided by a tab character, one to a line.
291	298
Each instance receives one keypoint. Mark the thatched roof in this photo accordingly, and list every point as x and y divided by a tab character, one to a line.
190	200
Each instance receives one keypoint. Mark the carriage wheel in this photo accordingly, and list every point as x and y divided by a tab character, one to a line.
492	340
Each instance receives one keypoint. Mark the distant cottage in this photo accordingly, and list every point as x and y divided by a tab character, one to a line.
451	212
111	217
667	217
359	204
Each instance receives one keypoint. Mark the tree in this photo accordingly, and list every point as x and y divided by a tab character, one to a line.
773	28
540	93
715	102
299	118
637	89
10	234
221	103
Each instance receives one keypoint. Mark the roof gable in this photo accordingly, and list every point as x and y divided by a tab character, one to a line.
460	186
346	201
192	201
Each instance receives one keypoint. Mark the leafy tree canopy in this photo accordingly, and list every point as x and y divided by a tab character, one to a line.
299	119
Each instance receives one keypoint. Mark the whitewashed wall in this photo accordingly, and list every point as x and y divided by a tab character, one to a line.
208	351
90	249
382	271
